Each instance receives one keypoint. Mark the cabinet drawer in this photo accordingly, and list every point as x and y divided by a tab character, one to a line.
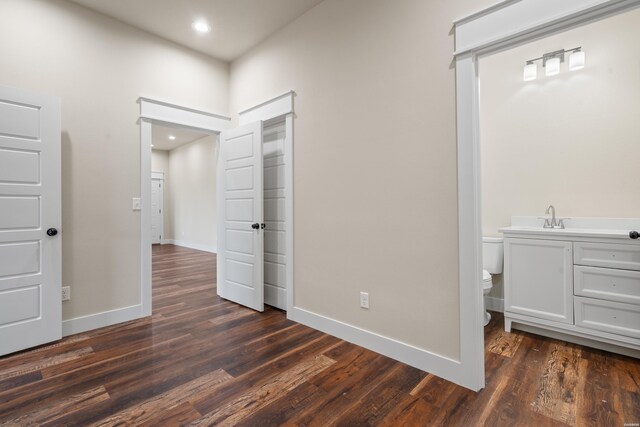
607	255
607	316
608	284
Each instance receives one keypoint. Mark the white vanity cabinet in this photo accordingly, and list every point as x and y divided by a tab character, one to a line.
540	278
578	285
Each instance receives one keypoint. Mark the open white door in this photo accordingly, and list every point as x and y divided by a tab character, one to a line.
157	221
240	225
30	219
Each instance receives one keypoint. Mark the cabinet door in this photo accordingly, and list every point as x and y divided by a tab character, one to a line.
538	279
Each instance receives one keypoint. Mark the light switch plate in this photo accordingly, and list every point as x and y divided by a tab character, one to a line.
137	204
364	300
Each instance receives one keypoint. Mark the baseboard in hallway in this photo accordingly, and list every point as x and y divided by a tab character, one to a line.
197	246
494	304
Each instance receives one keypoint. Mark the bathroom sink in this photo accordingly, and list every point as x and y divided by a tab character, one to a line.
607	228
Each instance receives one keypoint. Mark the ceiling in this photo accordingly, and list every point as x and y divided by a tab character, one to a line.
236	25
160	137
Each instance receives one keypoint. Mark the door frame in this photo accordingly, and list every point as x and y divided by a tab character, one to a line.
159	176
501	26
166	114
280	108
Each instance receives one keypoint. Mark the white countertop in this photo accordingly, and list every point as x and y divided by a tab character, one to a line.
573	232
603	228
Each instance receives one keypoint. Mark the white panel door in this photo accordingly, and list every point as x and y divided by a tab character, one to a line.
30	220
240	225
156	211
275	251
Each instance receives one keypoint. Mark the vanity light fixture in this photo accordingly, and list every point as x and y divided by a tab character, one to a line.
576	60
552	67
530	71
201	26
551	63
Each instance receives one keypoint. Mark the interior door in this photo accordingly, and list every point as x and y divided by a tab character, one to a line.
156	211
240	225
30	219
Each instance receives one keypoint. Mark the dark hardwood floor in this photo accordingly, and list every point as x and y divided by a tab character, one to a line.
200	360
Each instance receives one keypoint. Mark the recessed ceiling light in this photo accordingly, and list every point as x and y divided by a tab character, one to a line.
201	26
171	137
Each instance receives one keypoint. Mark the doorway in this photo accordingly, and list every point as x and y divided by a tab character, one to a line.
183	190
157	211
494	29
272	207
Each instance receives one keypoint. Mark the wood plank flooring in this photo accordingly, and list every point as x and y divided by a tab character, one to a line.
200	360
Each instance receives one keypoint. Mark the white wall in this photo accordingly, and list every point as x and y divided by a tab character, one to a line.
192	188
160	161
570	140
99	68
374	161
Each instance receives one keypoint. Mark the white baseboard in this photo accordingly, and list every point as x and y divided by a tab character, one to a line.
100	320
435	364
494	304
196	246
275	296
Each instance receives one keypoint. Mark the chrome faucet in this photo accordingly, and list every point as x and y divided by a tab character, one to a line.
553	217
554	223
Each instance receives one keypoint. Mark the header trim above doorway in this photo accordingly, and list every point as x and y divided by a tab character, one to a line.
160	111
275	107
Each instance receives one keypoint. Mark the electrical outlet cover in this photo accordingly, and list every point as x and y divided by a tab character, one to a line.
364	299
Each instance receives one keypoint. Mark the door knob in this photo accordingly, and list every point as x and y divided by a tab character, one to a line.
634	235
255	226
52	232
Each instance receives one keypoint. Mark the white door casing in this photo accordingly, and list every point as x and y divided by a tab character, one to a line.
157	222
240	227
30	260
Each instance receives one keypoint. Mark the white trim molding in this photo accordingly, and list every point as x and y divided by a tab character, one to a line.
405	353
275	107
100	320
483	30
494	304
164	112
197	246
501	26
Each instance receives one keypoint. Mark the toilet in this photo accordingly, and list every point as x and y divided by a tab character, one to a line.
492	260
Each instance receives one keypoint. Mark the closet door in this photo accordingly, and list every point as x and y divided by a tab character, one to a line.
30	220
241	223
